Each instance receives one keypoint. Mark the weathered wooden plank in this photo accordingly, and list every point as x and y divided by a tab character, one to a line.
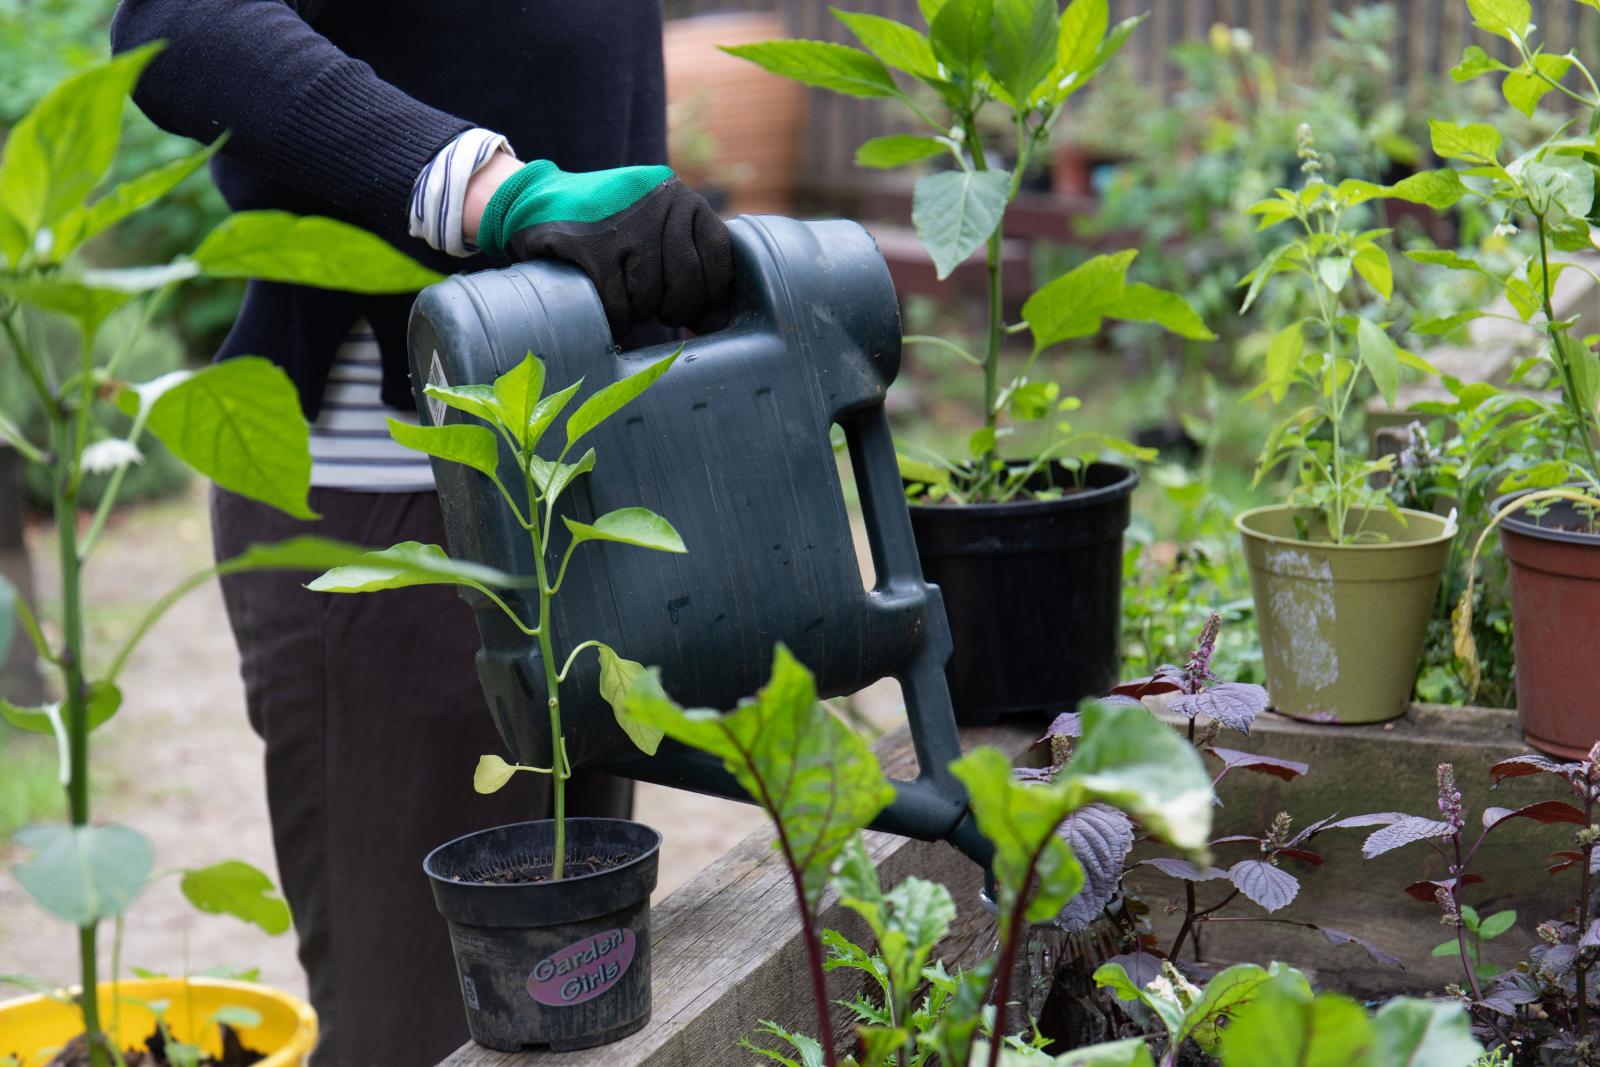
727	950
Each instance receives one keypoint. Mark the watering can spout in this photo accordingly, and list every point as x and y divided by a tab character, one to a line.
734	446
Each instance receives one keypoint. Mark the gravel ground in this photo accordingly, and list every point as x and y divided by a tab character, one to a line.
181	764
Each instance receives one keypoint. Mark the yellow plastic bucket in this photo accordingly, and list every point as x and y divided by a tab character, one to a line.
34	1027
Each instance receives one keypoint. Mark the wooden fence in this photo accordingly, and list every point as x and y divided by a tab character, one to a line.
1431	35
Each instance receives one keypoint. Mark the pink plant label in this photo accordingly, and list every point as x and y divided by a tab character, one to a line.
583	970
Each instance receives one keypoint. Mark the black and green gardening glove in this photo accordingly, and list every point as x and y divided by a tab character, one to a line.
652	246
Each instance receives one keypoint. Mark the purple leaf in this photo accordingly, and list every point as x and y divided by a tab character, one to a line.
1591	936
1554	960
1287	769
1498	1004
1233	704
1310	830
1232	839
1302	854
1117	700
1142	967
1545	811
1427	892
1067	724
1035	774
1183	869
1378	955
1377	818
1166	679
1403	831
1518	766
1263	883
1570	858
1101	837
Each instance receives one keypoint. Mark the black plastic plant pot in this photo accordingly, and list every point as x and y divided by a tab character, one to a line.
563	965
1034	594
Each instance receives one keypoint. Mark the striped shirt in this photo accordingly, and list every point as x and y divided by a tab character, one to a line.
350	444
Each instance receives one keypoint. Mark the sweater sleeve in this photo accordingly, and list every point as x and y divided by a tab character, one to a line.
296	107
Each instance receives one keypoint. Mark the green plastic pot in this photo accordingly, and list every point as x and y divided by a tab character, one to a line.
1342	626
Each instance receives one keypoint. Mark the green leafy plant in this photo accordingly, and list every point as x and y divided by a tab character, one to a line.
1330	355
1026	58
1478	931
518	412
238	422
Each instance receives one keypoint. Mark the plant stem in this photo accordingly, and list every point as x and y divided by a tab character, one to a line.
1585	421
75	700
1006	964
1456	874
552	679
993	262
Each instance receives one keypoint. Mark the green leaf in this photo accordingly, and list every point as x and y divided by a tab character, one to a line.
628	526
235	888
1334	272
552	479
545	412
1476	142
1474	63
1443	324
617	678
1129	1052
86	221
1497	924
1446	948
1564	181
477	400
1270	264
1378	356
406	564
614	397
276	246
1444	257
1131	761
825	65
90	296
1224	996
1283	358
897	44
1284	1024
59	151
960	35
239	423
517	392
1503	18
1082	31
1021	50
1425	1033
1074	304
896	150
1114	977
1372	263
234	1016
465	443
1523	89
1146	303
83	873
491	774
815	777
8	617
1107	48
955	211
303	553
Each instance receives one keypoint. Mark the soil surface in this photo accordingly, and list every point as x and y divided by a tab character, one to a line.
180	763
154	1053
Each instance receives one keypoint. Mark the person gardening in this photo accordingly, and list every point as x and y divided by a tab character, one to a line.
466	134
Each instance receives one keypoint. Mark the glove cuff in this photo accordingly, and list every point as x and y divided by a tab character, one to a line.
542	192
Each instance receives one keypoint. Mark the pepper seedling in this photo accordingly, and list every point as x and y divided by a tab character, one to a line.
515	411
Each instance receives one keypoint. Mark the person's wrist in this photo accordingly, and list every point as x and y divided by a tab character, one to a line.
481	188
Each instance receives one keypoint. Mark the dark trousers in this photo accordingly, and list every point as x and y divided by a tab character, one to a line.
373	720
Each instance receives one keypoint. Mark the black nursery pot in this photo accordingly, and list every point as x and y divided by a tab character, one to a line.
560	964
1034	594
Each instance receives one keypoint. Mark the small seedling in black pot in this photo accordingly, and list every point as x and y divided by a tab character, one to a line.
550	919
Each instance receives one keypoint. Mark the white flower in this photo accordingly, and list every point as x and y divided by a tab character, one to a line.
957	134
1505	229
103	457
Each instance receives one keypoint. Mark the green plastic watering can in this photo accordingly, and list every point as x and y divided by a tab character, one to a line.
733	447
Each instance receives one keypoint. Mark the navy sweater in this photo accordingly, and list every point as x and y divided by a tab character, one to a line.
334	106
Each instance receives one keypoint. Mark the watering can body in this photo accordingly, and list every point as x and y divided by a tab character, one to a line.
732	446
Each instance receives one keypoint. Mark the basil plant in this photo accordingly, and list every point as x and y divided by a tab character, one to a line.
238	422
1024	59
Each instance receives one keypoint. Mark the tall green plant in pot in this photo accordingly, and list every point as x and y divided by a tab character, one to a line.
549	919
1344	581
1549	474
1022	530
239	423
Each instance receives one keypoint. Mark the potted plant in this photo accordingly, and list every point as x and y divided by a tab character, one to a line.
1343	580
549	919
81	871
1027	548
1547	513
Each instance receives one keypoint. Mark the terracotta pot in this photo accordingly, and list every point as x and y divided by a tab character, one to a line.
1555	614
1342	626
